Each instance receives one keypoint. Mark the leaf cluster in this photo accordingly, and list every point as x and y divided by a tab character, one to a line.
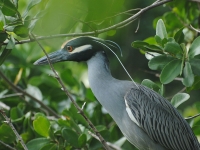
171	56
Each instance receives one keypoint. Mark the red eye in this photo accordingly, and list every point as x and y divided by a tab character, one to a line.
69	48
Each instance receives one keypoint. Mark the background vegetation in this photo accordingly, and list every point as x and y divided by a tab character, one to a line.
163	55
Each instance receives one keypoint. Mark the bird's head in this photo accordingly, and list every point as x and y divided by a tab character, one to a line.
77	49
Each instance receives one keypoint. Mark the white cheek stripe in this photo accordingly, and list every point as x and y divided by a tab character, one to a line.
82	48
128	110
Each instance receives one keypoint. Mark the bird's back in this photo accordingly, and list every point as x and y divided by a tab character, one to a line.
160	120
146	106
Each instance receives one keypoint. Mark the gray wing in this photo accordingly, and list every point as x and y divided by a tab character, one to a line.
159	119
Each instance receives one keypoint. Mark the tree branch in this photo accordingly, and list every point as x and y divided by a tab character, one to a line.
158	75
115	26
8	121
17	89
6	145
80	111
109	144
192	117
11	95
194	29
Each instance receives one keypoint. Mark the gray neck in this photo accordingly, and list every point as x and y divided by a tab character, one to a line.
105	87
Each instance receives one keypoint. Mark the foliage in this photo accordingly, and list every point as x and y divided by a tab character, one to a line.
170	55
174	52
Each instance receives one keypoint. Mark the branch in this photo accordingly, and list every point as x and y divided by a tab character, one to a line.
8	121
6	145
80	111
11	95
158	75
192	117
118	25
109	144
182	90
17	89
198	31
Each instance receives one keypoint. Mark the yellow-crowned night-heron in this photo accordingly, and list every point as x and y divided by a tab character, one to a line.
145	118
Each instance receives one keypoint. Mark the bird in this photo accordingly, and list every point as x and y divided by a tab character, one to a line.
146	119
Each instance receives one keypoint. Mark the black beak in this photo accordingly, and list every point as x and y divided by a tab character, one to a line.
54	57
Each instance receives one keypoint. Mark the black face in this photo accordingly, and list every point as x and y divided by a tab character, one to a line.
83	48
77	49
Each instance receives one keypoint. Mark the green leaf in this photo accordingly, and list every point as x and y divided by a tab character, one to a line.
164	41
179	36
150	84
31	4
195	64
50	146
82	140
158	40
11	43
194	48
41	125
2	20
4	55
51	133
15	113
27	136
161	30
70	136
68	78
162	90
170	39
179	98
7	135
72	112
170	71
173	48
158	62
37	144
150	40
37	115
111	32
3	36
100	128
139	44
8	8
146	47
196	84
185	52
21	31
188	79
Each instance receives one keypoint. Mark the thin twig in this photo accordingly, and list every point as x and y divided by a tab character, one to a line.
80	111
182	90
112	27
138	26
125	24
192	116
6	145
109	144
8	121
11	95
17	89
194	29
156	1
158	75
121	13
180	19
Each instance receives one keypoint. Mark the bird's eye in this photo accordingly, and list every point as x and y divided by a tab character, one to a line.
69	48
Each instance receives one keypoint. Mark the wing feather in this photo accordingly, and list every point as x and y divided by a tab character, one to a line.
160	120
